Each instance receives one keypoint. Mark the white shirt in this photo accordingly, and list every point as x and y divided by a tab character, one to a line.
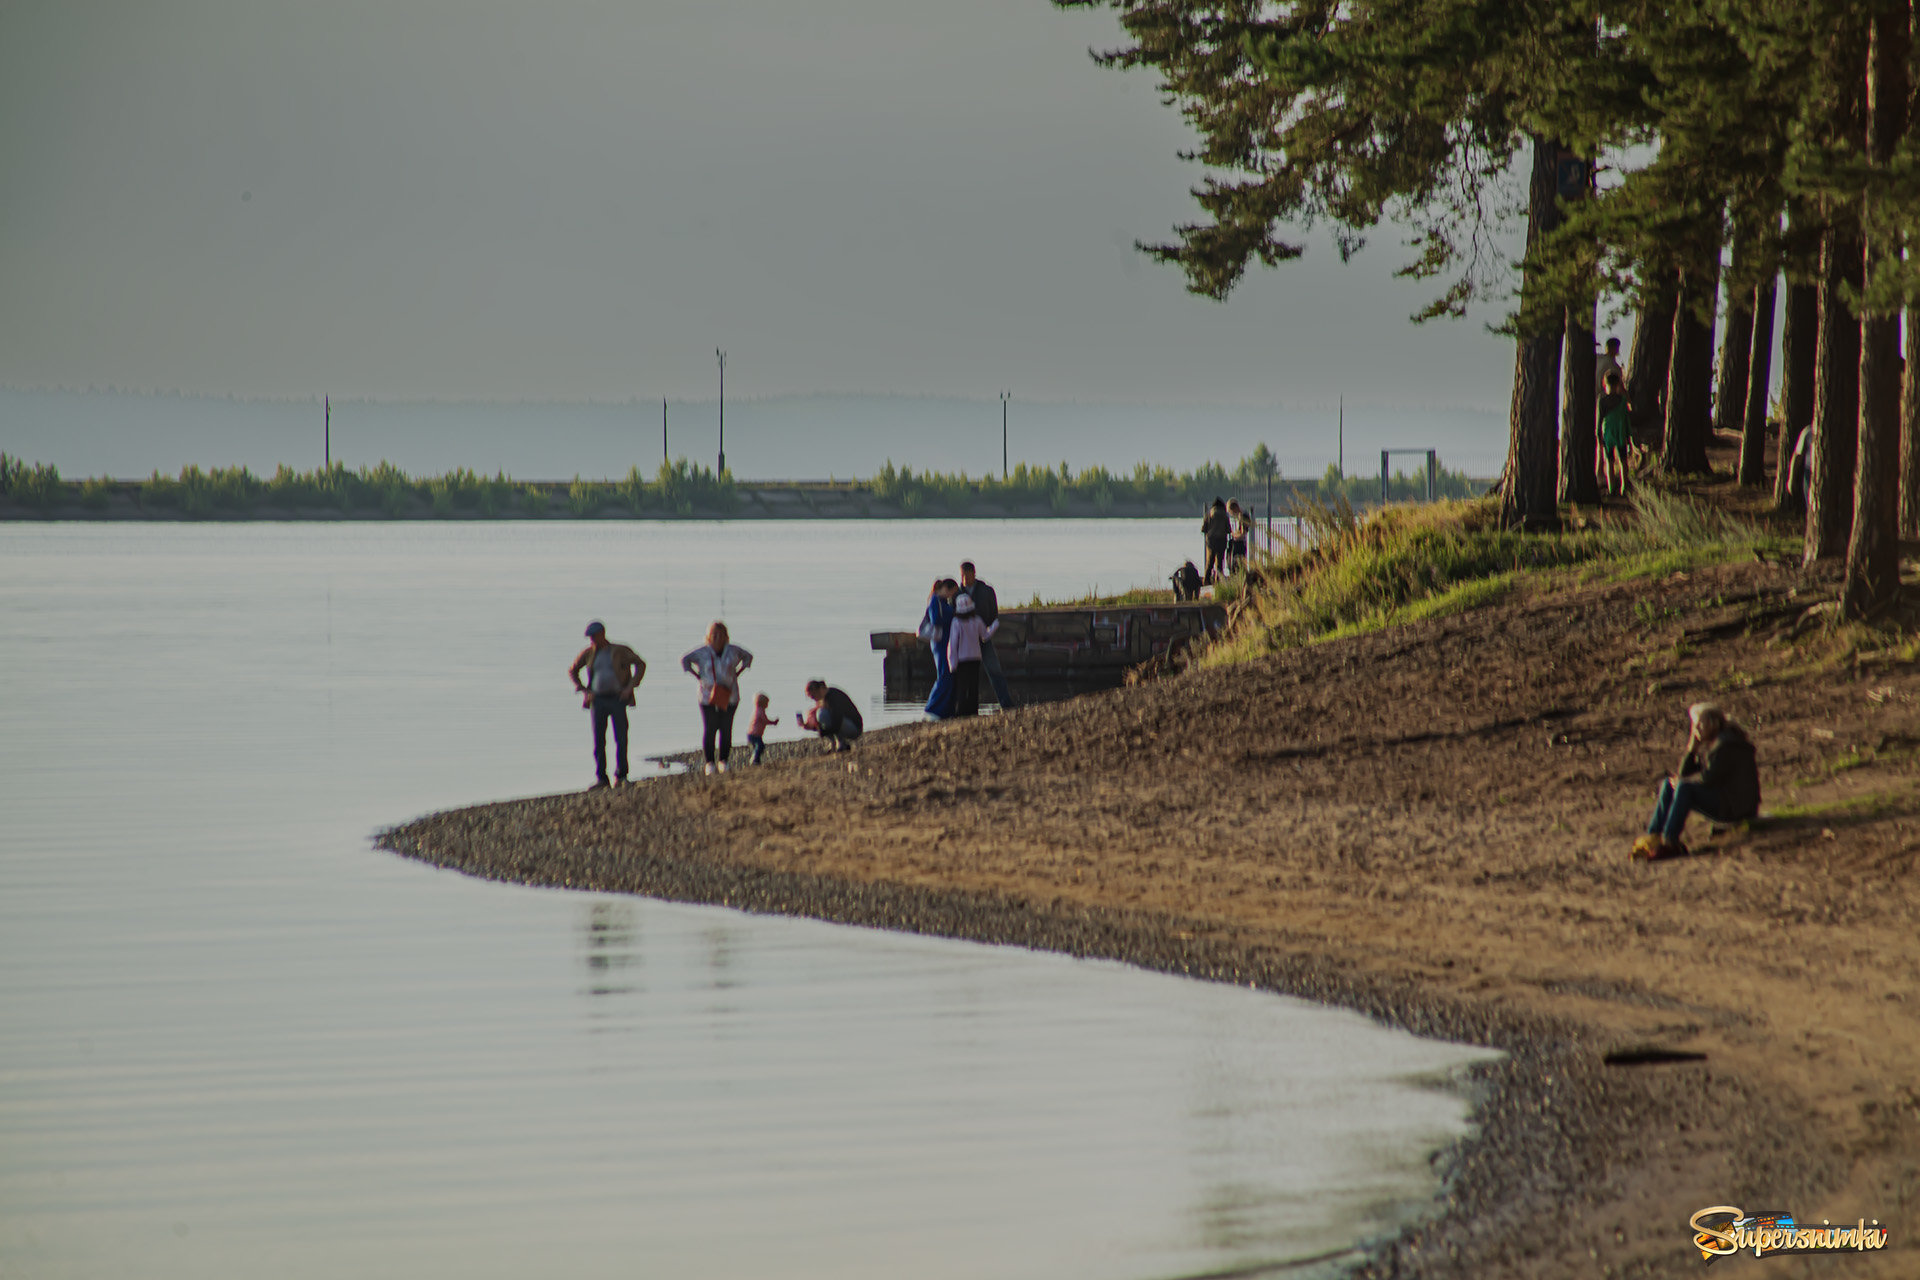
722	668
965	637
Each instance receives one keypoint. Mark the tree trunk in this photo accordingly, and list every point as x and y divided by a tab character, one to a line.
1873	549
1799	342
1910	431
1527	499
1736	346
1690	380
1753	422
1577	443
1652	353
1833	446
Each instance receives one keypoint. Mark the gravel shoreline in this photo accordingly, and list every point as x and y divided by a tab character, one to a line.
1478	918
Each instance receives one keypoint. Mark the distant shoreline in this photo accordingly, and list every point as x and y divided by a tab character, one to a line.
129	500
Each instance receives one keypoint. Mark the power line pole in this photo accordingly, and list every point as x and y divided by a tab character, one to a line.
723	411
1343	437
1004	396
663	431
327	432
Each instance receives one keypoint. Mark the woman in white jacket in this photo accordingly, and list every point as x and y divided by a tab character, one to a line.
718	664
965	634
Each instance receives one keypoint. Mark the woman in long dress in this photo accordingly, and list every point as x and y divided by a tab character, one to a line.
933	629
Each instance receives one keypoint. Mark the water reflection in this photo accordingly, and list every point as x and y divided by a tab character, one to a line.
610	937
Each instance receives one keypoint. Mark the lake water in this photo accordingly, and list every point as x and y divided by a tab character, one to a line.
239	1041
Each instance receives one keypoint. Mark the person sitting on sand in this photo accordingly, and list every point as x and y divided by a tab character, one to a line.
757	727
1718	779
834	717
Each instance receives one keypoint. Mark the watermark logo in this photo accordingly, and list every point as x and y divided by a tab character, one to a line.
1722	1230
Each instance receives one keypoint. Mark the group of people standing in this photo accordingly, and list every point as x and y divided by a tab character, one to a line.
1227	529
958	626
614	671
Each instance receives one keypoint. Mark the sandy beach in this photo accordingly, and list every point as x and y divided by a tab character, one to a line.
1429	824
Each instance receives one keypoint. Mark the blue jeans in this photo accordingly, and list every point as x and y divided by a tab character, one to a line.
607	707
1670	810
995	677
840	732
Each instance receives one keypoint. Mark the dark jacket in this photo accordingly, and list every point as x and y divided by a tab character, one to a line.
1215	526
985	602
1731	772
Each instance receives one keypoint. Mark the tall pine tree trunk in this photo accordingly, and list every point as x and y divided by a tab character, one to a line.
1833	446
1690	380
1736	344
1834	438
1527	497
1873	549
1577	443
1652	352
1799	344
1910	432
1753	421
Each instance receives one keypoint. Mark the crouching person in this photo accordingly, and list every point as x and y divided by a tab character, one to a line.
1718	779
834	717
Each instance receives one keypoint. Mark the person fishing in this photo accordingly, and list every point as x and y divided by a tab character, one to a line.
1718	777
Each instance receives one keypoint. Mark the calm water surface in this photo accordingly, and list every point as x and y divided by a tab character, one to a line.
240	1042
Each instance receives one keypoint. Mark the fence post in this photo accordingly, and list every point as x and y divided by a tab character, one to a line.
1383	477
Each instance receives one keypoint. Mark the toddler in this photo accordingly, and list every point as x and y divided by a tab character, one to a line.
757	727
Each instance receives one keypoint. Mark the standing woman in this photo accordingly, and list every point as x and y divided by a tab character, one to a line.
933	629
718	664
1241	525
965	637
1214	528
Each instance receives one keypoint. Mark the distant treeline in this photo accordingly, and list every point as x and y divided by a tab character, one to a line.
680	489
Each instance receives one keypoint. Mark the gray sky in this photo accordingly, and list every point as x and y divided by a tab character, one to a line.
579	199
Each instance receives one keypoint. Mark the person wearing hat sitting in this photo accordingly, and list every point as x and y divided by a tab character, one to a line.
966	636
1718	778
615	671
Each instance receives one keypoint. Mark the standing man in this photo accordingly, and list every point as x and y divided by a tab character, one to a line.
986	607
1606	361
614	672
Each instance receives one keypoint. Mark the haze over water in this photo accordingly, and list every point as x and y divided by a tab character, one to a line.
241	1042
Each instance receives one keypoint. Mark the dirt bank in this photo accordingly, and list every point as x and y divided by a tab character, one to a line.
1429	824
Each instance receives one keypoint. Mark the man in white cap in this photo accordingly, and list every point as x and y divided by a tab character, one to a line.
614	671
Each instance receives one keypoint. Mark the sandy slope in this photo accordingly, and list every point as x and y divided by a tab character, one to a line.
1430	824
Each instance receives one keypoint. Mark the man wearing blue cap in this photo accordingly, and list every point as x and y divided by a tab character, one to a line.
614	672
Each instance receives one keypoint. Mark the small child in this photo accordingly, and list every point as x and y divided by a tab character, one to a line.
757	727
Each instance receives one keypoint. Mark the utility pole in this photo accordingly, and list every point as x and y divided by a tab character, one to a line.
1343	437
663	431
723	411
327	432
1004	395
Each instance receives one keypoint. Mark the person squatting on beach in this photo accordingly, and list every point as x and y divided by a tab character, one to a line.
1718	778
1615	431
718	664
757	727
615	671
1215	529
986	604
966	639
834	717
933	629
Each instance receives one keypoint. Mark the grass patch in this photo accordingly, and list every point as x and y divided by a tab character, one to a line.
1875	804
1411	563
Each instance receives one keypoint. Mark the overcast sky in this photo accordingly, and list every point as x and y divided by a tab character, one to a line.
580	199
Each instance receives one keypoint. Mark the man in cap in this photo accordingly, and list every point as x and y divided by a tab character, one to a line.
614	671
